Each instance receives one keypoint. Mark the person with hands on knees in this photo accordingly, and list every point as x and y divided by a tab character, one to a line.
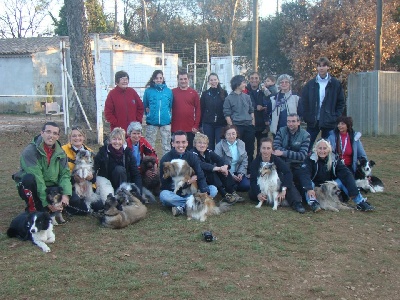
43	164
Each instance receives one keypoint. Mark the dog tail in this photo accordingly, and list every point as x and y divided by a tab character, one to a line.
224	207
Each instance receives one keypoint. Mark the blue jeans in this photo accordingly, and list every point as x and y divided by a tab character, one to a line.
213	133
170	199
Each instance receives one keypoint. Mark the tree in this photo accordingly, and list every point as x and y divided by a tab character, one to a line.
81	60
21	18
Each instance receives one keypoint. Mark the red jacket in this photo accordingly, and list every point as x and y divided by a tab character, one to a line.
186	111
145	148
122	107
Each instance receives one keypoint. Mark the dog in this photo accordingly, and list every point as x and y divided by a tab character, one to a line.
53	197
151	185
35	226
83	168
103	188
328	197
269	184
200	205
364	178
180	172
122	209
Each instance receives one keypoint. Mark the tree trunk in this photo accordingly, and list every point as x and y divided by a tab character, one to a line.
81	62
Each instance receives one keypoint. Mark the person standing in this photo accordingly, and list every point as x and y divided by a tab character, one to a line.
186	111
239	111
123	105
212	116
43	163
256	95
157	101
323	102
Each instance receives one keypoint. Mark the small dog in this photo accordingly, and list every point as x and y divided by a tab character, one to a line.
180	172
269	184
151	185
103	188
364	178
201	205
328	197
36	227
123	209
53	197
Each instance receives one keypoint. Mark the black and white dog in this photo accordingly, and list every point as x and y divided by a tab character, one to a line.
36	227
364	178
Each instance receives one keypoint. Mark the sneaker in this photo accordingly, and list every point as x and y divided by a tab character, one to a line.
178	210
365	206
315	206
299	208
229	198
237	197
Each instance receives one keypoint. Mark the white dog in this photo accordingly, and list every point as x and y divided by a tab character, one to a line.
103	188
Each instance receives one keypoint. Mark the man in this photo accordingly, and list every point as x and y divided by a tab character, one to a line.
178	151
123	105
43	164
256	94
186	110
322	102
291	145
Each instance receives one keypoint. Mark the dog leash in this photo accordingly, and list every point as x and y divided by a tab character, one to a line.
94	214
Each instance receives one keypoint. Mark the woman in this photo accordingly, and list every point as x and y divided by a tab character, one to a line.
138	144
283	103
233	151
157	101
346	143
77	137
323	166
216	171
115	161
212	117
288	190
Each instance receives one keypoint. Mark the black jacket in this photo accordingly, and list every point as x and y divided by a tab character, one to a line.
209	160
332	106
104	161
211	103
257	97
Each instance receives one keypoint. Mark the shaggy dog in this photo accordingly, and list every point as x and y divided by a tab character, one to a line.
180	172
328	197
151	185
36	227
83	168
364	178
123	209
103	188
201	205
53	197
269	184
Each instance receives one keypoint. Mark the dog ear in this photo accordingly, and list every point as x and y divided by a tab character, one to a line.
324	188
371	163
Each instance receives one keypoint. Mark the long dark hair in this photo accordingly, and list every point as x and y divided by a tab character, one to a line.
153	76
349	123
220	90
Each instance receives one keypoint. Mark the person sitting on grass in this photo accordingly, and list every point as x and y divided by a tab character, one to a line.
323	166
216	171
167	196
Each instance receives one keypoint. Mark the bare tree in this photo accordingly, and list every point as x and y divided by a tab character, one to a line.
81	60
21	18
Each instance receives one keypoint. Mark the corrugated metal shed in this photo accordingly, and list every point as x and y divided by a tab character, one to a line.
374	102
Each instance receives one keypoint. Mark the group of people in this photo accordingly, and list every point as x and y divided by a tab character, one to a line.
215	134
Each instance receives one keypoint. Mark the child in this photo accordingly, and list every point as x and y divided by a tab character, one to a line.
269	86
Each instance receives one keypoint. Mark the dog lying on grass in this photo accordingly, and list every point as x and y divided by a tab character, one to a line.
328	197
200	205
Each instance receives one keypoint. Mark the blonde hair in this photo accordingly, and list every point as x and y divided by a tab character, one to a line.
77	128
328	145
200	136
117	132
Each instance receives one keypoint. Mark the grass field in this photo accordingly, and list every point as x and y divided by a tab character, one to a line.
258	254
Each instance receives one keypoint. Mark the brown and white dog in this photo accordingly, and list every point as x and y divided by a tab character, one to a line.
151	184
328	197
201	205
269	184
123	209
180	172
53	197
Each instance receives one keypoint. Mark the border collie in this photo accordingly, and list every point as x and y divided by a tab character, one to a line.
364	178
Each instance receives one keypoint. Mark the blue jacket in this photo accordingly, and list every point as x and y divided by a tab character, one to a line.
356	145
158	99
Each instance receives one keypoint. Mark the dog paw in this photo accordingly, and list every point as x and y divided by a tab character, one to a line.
46	249
258	206
275	208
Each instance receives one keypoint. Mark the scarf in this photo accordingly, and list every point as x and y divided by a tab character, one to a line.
117	154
